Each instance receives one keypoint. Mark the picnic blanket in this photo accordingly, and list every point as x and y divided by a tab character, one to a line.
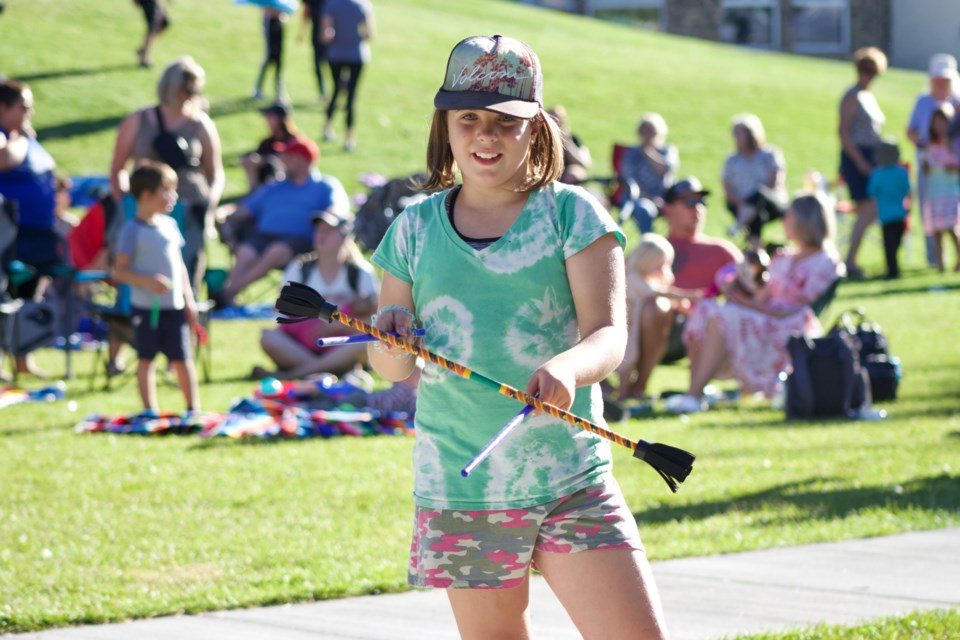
278	415
11	395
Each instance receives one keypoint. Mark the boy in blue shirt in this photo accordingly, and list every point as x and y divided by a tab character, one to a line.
889	185
148	259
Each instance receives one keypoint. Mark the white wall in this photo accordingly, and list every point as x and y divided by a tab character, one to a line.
921	28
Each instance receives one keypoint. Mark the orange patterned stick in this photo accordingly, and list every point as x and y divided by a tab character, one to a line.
465	372
299	302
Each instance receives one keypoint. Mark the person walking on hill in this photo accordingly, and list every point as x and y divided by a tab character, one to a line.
512	273
348	27
860	123
157	22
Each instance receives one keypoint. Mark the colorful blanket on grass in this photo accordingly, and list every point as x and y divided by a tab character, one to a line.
11	395
259	417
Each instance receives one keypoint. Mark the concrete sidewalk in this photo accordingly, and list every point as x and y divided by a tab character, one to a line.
711	597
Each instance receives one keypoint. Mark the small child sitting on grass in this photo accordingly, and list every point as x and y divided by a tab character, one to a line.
148	259
649	281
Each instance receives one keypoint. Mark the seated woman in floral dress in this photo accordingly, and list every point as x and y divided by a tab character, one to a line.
746	337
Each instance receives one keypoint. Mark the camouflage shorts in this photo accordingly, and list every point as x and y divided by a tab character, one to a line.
493	549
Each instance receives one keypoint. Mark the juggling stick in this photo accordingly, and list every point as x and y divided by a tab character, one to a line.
299	302
497	439
338	340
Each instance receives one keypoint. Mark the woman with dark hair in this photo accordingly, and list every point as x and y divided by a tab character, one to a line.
28	182
860	122
347	28
157	22
264	164
180	113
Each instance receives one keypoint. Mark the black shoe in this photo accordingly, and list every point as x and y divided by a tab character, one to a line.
613	411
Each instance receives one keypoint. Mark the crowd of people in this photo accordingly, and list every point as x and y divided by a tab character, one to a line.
682	300
501	167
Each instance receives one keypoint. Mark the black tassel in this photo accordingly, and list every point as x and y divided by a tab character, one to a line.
299	302
673	464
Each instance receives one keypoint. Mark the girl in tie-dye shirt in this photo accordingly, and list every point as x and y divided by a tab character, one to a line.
520	278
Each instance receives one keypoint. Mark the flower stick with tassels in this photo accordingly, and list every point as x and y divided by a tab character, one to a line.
299	302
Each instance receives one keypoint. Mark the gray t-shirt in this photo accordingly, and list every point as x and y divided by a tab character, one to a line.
154	249
348	16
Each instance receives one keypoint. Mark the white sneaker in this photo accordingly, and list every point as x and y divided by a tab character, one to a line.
684	403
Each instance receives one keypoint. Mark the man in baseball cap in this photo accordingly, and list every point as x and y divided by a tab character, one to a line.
697	258
281	215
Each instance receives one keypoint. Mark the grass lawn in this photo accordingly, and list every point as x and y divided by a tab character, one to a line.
101	527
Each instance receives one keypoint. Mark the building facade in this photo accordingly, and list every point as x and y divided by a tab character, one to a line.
908	30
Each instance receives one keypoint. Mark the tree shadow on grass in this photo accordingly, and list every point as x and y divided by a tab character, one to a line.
40	76
813	502
79	127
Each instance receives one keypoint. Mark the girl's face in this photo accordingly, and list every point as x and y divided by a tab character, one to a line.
790	225
327	238
491	149
741	138
16	117
273	122
647	133
939	126
660	272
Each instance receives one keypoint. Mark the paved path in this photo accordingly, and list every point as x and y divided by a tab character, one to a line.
839	582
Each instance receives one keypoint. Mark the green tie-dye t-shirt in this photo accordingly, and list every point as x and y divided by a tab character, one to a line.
502	311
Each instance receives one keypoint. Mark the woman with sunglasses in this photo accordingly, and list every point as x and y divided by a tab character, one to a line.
180	115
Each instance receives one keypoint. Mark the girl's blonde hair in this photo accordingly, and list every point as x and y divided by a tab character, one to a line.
753	126
544	165
658	124
652	249
870	59
178	75
814	220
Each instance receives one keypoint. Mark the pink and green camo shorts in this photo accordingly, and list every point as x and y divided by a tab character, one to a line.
493	549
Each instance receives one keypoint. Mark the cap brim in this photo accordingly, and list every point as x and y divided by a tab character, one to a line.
680	196
485	100
333	220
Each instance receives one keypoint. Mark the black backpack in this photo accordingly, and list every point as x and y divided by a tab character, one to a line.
383	206
883	369
826	378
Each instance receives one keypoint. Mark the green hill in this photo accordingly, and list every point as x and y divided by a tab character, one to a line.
103	528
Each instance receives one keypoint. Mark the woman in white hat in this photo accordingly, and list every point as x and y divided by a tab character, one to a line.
944	85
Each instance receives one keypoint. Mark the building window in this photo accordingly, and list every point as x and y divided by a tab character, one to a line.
642	14
753	23
820	26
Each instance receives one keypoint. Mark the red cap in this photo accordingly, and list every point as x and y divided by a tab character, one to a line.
301	146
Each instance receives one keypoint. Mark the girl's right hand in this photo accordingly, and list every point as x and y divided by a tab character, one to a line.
159	284
397	321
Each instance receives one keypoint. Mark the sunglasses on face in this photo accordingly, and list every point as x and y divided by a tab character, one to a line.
693	201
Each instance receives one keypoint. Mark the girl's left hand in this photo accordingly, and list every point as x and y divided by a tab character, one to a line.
554	385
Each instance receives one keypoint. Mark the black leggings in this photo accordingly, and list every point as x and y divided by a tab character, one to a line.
892	236
273	39
353	70
319	49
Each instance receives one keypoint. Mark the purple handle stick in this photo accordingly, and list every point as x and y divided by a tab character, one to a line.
497	439
360	337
